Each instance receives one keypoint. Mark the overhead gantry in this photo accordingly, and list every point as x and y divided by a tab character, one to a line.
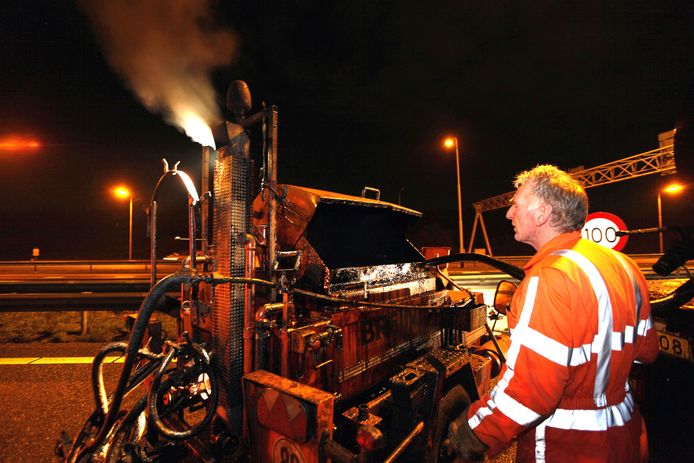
657	161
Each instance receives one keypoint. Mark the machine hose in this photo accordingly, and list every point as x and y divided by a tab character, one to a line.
340	300
515	272
98	387
153	397
120	434
218	280
132	352
147	307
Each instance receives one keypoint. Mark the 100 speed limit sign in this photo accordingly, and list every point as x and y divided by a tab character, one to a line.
602	228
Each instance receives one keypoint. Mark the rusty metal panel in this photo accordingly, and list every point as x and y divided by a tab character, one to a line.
482	371
376	341
301	415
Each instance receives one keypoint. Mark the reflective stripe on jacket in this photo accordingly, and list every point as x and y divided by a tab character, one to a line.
578	321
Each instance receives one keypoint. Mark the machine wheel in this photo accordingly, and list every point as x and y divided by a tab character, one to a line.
450	407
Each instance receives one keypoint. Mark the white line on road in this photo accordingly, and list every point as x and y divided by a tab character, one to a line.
56	360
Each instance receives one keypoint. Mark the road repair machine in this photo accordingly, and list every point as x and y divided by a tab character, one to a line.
310	328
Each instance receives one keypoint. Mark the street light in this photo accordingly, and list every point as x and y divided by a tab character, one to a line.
123	193
672	189
19	143
452	142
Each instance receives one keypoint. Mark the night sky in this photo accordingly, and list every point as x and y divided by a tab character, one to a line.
366	91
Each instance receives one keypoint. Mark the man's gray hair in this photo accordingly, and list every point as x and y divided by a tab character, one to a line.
560	190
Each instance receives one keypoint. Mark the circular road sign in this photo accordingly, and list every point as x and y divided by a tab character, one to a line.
602	228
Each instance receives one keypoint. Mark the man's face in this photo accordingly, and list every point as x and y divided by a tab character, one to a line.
523	215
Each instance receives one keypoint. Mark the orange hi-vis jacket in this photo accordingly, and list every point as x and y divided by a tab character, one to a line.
578	321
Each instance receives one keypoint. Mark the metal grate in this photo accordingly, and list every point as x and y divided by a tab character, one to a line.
232	206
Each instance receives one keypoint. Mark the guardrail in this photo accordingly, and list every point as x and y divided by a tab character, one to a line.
119	285
83	266
82	286
70	285
93	285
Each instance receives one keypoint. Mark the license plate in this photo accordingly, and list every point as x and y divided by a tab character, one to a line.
675	345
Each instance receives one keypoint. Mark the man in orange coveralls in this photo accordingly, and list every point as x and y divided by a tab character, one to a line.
578	321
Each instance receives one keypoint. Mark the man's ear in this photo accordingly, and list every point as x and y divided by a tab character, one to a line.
543	213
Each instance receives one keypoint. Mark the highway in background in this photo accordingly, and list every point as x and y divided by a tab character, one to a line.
77	285
122	285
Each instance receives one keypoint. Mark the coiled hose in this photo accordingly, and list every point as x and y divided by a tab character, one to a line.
147	307
153	397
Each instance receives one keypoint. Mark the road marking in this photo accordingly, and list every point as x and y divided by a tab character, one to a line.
56	360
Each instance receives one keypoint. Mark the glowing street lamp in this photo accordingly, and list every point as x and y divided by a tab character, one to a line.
123	193
19	144
452	142
672	189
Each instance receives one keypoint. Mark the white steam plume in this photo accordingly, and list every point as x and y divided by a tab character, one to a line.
165	50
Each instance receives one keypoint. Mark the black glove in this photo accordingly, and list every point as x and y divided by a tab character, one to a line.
463	441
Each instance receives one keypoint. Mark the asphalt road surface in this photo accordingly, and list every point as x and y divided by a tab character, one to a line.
38	401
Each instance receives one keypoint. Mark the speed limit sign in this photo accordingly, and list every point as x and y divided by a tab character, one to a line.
602	228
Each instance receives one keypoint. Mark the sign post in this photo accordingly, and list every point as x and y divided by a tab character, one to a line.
602	228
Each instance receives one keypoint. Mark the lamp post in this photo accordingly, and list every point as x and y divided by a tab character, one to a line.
19	143
123	193
452	142
672	189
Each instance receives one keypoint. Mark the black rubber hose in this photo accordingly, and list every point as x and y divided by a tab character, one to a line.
98	387
357	303
125	383
515	272
136	336
153	399
120	433
83	435
100	397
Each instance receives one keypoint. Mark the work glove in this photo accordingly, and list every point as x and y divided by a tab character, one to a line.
463	441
